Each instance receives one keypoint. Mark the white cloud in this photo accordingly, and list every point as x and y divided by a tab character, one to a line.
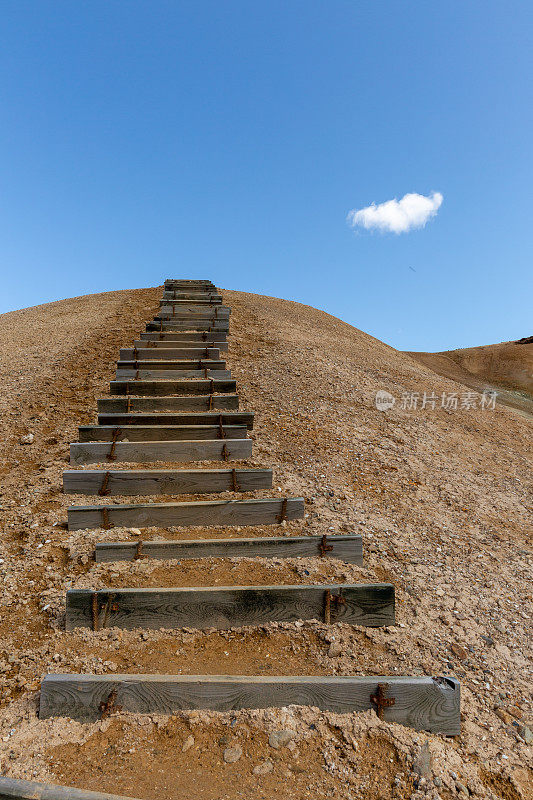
397	216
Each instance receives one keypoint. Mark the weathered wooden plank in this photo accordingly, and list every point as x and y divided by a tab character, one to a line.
193	321
167	481
182	336
368	604
169	374
196	306
14	789
200	512
347	548
171	387
214	325
165	344
144	452
203	313
423	703
160	364
156	433
184	418
192	297
199	402
155	361
142	353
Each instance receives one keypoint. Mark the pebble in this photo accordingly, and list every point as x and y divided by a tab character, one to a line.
232	754
28	439
423	762
264	768
187	744
459	651
281	738
335	650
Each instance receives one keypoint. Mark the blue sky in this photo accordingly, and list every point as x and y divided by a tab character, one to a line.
229	140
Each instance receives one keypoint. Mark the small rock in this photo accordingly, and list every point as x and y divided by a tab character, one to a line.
526	734
264	768
335	650
187	744
489	641
515	712
28	439
224	740
504	716
423	761
232	754
279	739
135	531
459	651
461	788
437	781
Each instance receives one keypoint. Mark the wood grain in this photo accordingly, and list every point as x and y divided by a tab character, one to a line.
167	481
347	548
171	387
169	374
156	433
423	703
143	353
199	402
168	452
176	336
368	604
182	418
165	344
158	362
199	512
215	325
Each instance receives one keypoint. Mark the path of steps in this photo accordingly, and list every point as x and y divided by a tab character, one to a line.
174	403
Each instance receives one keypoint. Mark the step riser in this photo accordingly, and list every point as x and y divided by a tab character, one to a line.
227	418
216	337
344	548
423	703
166	482
199	513
168	344
143	353
170	374
192	403
156	362
157	433
162	452
171	387
371	605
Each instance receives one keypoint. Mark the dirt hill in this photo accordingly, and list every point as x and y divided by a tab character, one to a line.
506	368
441	495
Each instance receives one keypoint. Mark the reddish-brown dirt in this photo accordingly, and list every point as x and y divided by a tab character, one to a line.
442	497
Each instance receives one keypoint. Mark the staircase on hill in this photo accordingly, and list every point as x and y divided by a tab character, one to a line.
172	426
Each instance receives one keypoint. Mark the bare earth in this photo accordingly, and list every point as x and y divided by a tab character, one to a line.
443	500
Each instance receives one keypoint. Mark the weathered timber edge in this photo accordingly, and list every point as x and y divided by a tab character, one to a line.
423	703
11	789
201	512
347	547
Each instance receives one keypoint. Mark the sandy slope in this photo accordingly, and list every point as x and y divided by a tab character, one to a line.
442	497
506	368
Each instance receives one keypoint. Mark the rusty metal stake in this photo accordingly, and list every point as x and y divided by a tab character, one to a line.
103	490
323	546
106	524
283	514
380	700
111	455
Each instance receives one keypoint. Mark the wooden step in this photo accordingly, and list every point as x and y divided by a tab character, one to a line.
201	312
218	323
143	353
199	402
171	418
368	604
423	703
187	365
345	547
196	306
167	481
194	326
170	374
168	452
165	344
213	338
194	297
16	789
172	387
159	433
199	512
